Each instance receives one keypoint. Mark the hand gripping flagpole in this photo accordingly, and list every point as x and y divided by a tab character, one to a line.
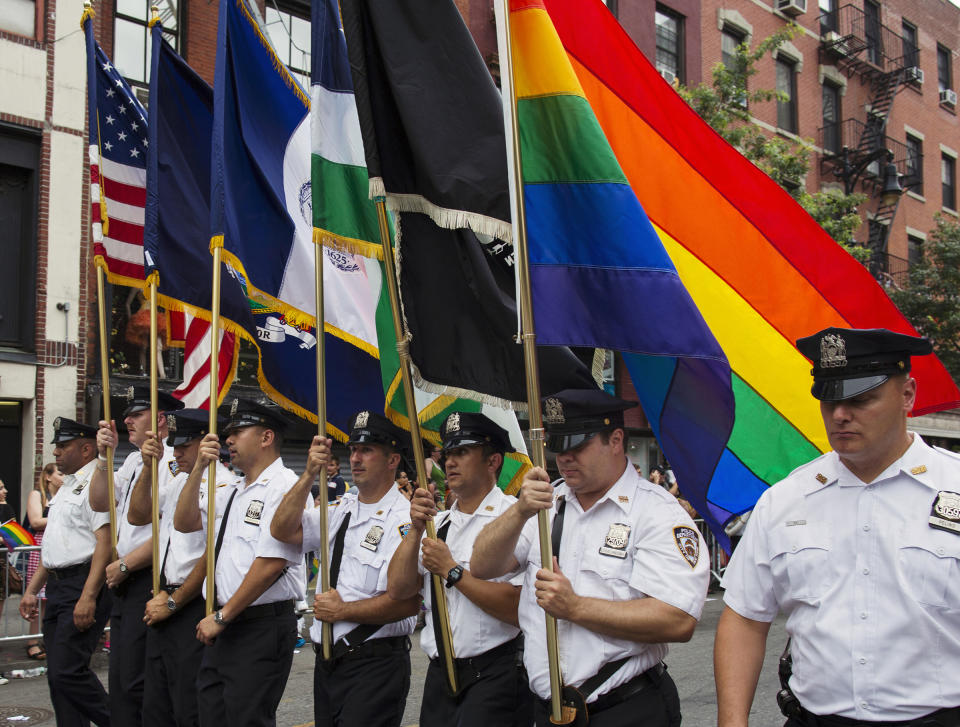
558	713
326	633
439	591
87	17
152	282
217	246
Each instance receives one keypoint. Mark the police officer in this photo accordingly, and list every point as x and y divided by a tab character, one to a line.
491	688
129	576
861	549
172	650
632	573
367	679
249	638
76	548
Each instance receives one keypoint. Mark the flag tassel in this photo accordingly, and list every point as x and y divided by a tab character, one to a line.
558	713
438	585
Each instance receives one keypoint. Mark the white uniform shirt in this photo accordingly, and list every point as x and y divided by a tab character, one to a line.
129	537
69	536
870	589
247	536
664	557
363	570
474	630
185	549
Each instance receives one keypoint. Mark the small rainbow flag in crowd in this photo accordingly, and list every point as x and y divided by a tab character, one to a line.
314	568
14	534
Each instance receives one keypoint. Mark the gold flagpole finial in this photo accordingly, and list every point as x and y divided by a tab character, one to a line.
154	16
88	11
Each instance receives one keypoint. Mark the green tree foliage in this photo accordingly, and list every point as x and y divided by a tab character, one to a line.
725	104
931	299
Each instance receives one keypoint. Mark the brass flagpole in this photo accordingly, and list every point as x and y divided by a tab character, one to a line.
558	714
105	385
326	634
154	415
212	425
402	348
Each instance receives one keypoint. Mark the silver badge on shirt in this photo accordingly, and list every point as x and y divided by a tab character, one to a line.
374	536
688	542
945	513
254	511
615	544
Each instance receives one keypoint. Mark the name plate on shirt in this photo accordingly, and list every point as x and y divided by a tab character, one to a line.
254	511
615	544
945	513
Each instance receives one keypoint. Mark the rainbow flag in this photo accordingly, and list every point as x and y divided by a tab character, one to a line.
14	534
759	269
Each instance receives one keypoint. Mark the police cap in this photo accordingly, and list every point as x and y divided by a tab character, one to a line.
572	416
462	429
244	413
370	427
66	430
138	399
187	425
850	361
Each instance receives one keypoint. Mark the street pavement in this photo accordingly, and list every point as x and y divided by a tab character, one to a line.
690	664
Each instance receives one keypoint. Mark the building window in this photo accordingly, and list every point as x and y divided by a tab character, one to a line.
913	179
871	29
19	195
832	136
914	250
289	29
669	43
911	49
730	39
131	44
21	17
944	67
828	16
787	90
948	181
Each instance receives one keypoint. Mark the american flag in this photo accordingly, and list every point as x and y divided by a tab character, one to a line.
194	335
118	175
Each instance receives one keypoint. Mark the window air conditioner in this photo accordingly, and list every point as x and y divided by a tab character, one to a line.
915	75
793	8
668	76
948	96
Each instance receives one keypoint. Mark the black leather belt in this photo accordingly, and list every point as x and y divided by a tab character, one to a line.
59	574
278	608
650	678
373	647
947	717
482	661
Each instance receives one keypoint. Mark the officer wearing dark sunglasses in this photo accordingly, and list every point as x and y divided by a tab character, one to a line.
631	574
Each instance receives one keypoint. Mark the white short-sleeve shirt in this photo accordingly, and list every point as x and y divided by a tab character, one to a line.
372	536
870	589
474	630
129	537
71	523
635	542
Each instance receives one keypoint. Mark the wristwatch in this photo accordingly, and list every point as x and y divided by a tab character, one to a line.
123	567
454	576
218	618
171	604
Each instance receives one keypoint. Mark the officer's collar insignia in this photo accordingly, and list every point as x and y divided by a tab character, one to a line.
373	538
688	543
615	544
56	425
379	512
254	511
623	498
821	478
174	468
918	470
171	422
553	411
833	351
489	508
453	423
404	529
234	406
945	513
361	421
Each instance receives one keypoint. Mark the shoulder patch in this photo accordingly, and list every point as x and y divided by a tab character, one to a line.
404	529
688	543
174	469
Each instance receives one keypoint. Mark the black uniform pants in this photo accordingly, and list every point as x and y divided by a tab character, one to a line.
657	705
367	688
77	695
128	648
242	676
494	694
173	662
